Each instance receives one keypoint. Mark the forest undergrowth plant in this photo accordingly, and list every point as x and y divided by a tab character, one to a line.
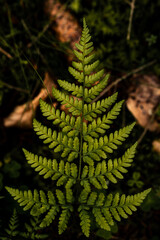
28	231
84	168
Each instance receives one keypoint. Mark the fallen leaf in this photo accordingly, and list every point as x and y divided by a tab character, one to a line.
156	146
143	100
22	115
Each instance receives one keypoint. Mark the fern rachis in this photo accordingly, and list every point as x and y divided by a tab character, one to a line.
83	168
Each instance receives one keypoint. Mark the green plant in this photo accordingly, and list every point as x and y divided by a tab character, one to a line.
15	231
12	230
85	167
135	181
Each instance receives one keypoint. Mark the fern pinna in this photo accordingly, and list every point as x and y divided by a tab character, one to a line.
83	170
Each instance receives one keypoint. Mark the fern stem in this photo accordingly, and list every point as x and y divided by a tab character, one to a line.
81	129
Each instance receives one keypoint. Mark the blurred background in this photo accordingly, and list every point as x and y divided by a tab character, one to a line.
36	43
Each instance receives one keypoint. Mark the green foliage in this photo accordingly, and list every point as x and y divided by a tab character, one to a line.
32	230
84	166
28	231
135	180
12	168
12	231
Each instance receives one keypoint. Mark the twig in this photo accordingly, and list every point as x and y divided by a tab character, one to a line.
35	38
5	53
132	4
124	77
13	87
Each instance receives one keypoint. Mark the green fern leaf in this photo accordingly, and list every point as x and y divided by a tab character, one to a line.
48	219
92	110
63	220
67	123
74	105
76	90
62	172
85	222
100	219
28	200
82	170
94	91
107	144
91	79
118	166
88	69
99	126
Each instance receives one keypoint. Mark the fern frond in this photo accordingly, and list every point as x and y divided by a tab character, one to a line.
98	176
88	69
33	230
106	209
70	125
99	126
12	229
62	172
91	79
74	105
97	149
83	196
63	219
95	90
124	206
81	140
118	166
85	222
50	216
50	136
92	110
58	141
76	90
35	201
39	203
100	219
76	74
95	176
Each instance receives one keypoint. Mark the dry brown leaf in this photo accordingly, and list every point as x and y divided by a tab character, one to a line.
156	146
65	24
22	115
144	99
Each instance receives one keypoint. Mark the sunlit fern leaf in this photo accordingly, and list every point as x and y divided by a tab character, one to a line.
107	144
106	209
50	216
118	166
69	124
94	91
59	141
74	105
35	201
61	172
114	169
85	222
82	169
91	79
100	219
99	126
63	219
76	90
92	110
